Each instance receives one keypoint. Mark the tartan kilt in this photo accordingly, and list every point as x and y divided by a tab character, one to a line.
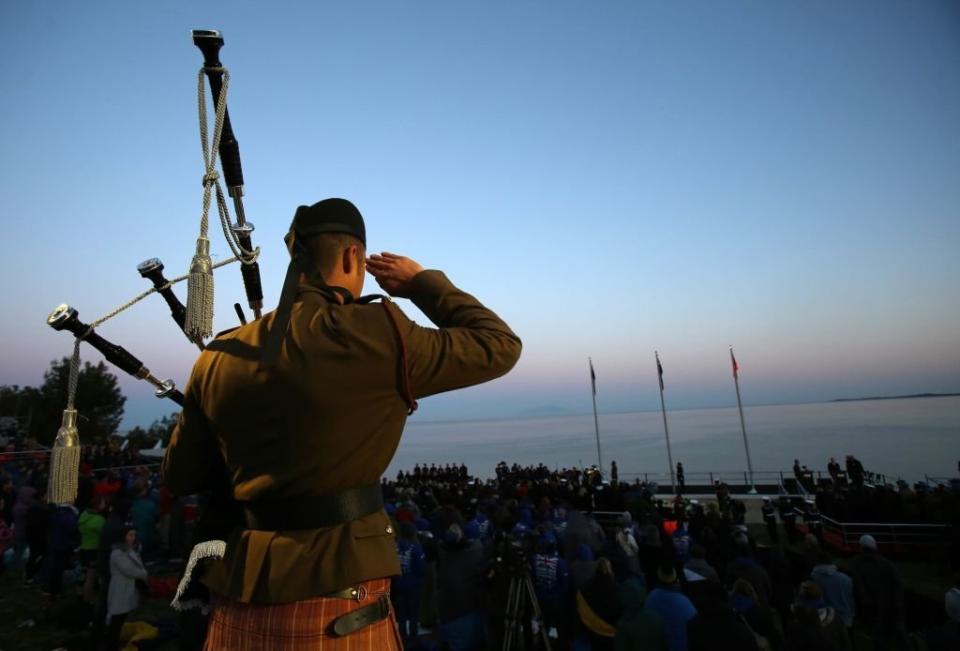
299	626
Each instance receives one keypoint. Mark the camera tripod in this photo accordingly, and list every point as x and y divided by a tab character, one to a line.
520	594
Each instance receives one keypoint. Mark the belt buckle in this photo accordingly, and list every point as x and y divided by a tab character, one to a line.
360	593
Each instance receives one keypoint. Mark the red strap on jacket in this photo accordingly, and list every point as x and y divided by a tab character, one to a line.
407	392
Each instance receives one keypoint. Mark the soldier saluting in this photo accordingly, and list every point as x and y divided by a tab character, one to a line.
306	406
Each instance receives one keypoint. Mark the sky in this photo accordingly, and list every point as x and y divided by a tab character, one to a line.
612	178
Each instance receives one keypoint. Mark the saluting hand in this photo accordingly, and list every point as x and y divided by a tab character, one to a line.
393	272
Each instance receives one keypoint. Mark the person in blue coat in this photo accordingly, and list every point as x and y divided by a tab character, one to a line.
407	587
673	607
551	581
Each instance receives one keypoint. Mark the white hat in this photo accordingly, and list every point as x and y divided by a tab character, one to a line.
867	542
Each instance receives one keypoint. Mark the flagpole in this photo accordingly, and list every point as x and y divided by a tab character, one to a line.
666	430
743	426
596	422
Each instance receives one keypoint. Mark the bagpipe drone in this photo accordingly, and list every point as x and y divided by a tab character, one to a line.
195	318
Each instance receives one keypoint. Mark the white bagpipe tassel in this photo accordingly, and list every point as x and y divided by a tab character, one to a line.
65	461
199	320
65	456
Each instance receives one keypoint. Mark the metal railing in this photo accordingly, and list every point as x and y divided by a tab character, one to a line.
894	535
760	477
946	482
702	478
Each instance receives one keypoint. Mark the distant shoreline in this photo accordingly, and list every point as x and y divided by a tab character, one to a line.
573	414
913	395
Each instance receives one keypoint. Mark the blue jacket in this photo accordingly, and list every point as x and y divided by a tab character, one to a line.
411	565
550	576
676	610
837	590
64	534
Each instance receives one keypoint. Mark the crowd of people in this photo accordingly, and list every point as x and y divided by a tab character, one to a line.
856	495
611	566
122	517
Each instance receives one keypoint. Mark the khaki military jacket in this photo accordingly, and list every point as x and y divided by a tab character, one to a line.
328	417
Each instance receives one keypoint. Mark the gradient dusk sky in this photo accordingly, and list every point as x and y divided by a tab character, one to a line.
610	177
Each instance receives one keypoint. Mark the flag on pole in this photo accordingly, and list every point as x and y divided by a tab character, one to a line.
733	362
593	378
659	369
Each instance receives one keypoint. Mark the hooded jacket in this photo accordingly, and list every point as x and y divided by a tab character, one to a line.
837	590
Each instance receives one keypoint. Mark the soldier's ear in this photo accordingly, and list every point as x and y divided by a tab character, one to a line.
348	259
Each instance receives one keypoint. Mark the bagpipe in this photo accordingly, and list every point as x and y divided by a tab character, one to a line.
195	318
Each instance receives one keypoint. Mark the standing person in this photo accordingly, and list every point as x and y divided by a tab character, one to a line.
855	471
599	608
407	587
699	565
833	469
111	534
638	629
673	607
770	519
716	626
64	539
762	621
837	588
460	591
307	406
945	637
788	515
614	472
816	626
745	566
144	513
878	592
550	581
6	532
681	480
126	569
38	529
26	497
628	552
90	526
583	567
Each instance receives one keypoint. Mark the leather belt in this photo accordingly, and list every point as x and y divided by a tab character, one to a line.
313	512
361	617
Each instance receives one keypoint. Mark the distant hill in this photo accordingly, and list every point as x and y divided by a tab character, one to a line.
915	395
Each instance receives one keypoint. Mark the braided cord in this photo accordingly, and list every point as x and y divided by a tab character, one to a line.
211	177
74	372
133	301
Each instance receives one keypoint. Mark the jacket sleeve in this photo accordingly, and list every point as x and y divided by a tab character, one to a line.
121	563
470	345
186	464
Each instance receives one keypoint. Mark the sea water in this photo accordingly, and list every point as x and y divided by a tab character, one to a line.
907	438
